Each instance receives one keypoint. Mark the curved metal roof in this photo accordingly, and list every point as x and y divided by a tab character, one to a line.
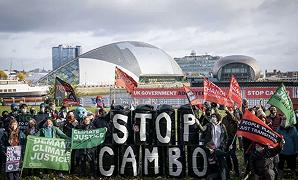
237	59
137	57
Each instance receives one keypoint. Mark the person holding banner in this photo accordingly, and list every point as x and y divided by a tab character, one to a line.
71	123
50	131
12	137
87	154
231	122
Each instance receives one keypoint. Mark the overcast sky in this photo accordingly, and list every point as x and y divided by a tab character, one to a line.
264	29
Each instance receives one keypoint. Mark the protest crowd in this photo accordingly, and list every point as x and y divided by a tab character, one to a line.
218	134
215	129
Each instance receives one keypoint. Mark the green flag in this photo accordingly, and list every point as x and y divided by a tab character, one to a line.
50	153
82	139
282	101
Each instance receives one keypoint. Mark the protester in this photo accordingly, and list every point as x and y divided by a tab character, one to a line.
87	155
71	123
261	161
12	137
290	148
50	131
62	112
274	119
51	110
261	115
215	137
32	128
14	110
41	116
6	118
231	122
33	112
80	113
42	108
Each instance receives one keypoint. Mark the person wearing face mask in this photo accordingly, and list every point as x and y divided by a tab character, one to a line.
216	135
23	117
14	110
41	116
274	119
231	123
53	113
288	153
32	128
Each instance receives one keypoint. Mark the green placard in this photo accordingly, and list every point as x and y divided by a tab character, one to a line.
82	139
50	153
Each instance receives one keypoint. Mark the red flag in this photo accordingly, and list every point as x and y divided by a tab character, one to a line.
256	130
235	92
191	97
213	93
124	80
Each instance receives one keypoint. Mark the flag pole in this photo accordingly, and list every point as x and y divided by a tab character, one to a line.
193	112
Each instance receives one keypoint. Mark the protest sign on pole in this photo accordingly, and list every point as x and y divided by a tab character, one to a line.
50	153
13	158
82	139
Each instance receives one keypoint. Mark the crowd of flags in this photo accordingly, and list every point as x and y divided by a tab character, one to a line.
212	93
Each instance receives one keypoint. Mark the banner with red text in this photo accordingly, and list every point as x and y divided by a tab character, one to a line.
213	93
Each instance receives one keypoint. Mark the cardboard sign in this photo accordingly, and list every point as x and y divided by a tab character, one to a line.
13	158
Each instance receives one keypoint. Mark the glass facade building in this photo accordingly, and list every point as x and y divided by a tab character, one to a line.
97	67
243	67
194	65
63	54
